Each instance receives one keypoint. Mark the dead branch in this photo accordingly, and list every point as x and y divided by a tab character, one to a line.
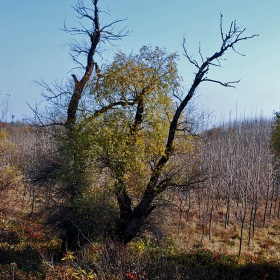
95	35
225	84
229	41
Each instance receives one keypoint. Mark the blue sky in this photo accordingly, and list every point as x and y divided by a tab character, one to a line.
32	47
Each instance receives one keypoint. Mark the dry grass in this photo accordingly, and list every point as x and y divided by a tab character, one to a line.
265	243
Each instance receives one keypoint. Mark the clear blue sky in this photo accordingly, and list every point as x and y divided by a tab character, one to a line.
32	47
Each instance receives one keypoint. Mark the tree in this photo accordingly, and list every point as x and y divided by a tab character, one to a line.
131	120
132	219
120	132
275	144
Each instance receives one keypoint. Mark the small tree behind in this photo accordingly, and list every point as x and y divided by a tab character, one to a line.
275	144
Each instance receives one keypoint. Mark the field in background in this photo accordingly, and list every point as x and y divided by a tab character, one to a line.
227	227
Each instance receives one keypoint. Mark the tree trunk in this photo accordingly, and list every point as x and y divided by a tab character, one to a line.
130	223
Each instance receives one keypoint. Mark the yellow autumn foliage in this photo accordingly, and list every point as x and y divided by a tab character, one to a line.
112	138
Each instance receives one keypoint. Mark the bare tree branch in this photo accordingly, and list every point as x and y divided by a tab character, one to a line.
95	36
226	84
191	60
154	187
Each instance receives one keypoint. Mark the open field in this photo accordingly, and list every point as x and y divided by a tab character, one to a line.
226	227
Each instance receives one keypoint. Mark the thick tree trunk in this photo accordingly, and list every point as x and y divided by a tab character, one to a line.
130	223
77	94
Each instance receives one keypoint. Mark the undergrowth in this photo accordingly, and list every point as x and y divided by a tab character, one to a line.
27	252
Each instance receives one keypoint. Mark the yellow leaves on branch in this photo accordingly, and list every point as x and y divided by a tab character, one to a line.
131	76
135	104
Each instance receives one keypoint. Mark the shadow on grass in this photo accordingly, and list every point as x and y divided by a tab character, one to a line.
113	261
25	260
202	265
